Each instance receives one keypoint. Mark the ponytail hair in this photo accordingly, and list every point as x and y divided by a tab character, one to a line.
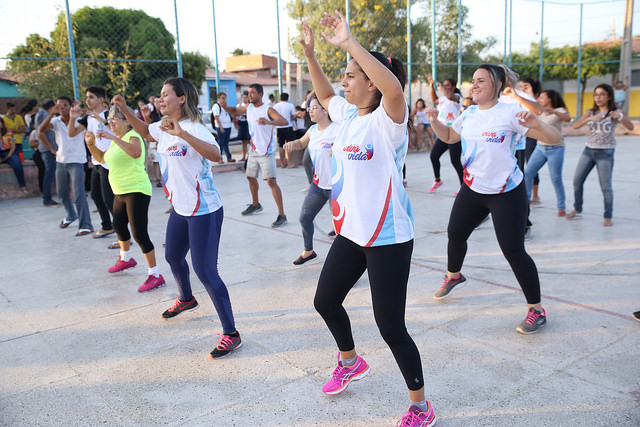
395	66
498	77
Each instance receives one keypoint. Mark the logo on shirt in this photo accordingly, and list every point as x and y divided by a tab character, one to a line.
494	137
354	152
177	151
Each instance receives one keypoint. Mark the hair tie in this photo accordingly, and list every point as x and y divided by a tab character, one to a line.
389	59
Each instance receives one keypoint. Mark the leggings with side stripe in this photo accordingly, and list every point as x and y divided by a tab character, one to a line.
509	214
201	235
388	268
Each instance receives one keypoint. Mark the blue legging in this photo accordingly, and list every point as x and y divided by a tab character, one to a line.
201	235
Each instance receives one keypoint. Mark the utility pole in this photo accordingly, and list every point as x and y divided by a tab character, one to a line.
625	51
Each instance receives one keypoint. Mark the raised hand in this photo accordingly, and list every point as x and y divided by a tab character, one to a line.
432	113
528	119
75	112
340	28
508	91
119	102
89	138
171	126
307	41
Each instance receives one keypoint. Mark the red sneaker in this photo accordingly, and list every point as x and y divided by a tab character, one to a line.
152	283
122	265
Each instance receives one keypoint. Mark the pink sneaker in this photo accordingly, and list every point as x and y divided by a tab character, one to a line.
122	265
414	418
342	376
436	185
152	283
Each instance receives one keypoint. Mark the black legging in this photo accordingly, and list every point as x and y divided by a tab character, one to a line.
132	208
455	151
388	268
509	214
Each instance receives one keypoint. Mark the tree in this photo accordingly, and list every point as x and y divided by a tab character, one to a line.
194	67
382	25
239	51
121	50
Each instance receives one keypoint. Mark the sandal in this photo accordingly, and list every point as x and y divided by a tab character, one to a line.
103	233
64	223
84	231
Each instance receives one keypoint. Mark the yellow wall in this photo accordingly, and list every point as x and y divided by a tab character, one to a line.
570	100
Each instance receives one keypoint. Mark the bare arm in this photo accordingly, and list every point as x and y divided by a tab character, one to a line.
532	106
322	87
537	128
297	144
381	76
434	96
586	117
74	129
624	121
443	132
241	109
90	140
138	125
276	118
206	150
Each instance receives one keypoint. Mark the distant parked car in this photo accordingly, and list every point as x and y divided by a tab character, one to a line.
206	117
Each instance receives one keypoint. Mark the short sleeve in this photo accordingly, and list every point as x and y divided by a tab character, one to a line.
516	124
216	109
154	131
201	132
392	130
338	107
457	123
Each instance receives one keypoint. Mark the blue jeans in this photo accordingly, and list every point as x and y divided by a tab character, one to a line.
49	161
200	235
223	140
312	204
554	155
75	172
16	165
602	159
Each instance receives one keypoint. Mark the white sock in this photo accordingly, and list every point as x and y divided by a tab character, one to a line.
125	255
421	405
349	362
155	271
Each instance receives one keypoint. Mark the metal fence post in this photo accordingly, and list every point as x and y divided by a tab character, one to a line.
179	53
409	67
215	46
72	54
541	67
459	43
578	94
434	69
347	15
279	51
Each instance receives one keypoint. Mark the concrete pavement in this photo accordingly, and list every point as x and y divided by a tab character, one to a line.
81	347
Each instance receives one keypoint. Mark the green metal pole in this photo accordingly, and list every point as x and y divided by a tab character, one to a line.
215	46
409	55
347	15
578	95
541	66
72	54
510	28
434	69
279	51
504	56
175	10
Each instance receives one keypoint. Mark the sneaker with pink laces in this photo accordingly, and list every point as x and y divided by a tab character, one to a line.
152	283
343	375
435	186
122	265
226	344
415	418
535	320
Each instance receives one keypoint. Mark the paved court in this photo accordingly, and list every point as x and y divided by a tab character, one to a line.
81	347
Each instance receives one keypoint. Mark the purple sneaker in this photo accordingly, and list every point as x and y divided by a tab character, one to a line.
152	283
343	375
415	418
122	265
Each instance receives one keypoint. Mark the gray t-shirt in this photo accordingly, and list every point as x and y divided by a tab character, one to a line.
50	134
602	132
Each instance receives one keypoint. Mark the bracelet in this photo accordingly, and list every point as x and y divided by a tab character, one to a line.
621	116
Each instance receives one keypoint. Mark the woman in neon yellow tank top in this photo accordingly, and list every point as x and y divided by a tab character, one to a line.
132	193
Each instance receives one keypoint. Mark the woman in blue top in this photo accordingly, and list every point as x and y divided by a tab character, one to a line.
371	211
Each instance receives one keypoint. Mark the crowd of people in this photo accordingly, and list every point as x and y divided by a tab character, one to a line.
498	140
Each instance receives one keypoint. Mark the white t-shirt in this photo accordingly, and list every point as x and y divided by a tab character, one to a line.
421	117
93	125
488	145
262	140
370	205
320	143
286	110
225	118
449	110
186	175
70	150
522	140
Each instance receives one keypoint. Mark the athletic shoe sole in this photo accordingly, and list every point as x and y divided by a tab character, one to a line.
153	289
531	332
344	387
222	357
458	286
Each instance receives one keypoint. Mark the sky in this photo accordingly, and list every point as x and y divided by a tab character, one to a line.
251	24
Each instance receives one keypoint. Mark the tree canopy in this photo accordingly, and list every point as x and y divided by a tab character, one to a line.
116	48
381	25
